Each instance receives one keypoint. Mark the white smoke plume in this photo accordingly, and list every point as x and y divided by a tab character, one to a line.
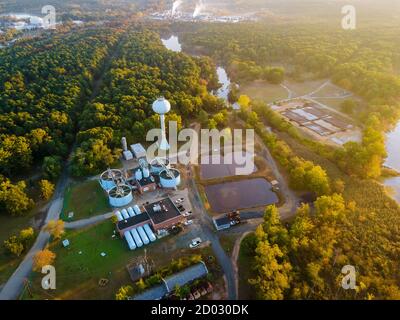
175	6
200	6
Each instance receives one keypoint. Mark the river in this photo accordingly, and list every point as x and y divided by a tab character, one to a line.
393	159
172	43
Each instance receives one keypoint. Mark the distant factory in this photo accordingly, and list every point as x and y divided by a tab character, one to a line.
202	17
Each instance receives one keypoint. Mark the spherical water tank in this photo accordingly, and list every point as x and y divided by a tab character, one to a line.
120	196
171	180
161	106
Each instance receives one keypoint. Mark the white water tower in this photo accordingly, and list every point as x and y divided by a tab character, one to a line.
162	107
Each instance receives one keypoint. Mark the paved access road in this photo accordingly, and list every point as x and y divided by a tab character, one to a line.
15	284
209	232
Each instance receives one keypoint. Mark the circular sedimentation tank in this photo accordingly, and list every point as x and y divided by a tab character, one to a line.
120	196
157	167
171	179
108	178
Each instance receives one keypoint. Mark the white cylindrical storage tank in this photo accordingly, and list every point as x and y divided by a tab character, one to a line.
138	174
131	212
119	216
149	233
108	177
130	241
120	196
143	235
146	173
125	214
136	237
170	181
158	165
137	209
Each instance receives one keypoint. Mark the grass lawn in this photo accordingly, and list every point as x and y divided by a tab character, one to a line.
262	90
245	262
330	91
228	242
306	87
333	103
85	199
10	226
80	266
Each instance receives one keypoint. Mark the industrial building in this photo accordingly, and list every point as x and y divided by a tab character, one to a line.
139	174
227	221
161	215
169	284
316	119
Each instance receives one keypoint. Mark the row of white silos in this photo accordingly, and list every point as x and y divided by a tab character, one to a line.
137	237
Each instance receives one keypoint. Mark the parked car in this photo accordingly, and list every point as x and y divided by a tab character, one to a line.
187	214
195	243
188	222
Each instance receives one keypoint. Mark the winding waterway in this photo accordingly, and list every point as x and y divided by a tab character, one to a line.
393	159
173	44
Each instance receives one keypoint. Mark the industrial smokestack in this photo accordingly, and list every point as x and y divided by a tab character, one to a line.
124	144
200	6
175	6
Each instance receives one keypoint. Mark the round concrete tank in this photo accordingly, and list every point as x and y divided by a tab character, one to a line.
157	165
120	196
108	177
170	181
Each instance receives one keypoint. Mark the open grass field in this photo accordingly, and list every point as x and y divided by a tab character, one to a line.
264	91
245	261
85	200
333	103
331	90
303	88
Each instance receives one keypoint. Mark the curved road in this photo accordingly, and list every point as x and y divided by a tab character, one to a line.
15	284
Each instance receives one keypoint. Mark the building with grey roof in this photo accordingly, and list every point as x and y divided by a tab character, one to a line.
169	284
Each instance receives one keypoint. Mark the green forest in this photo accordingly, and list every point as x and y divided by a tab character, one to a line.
353	221
143	70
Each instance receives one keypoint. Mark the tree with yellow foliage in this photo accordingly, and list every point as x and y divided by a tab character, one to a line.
244	101
55	228
43	258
